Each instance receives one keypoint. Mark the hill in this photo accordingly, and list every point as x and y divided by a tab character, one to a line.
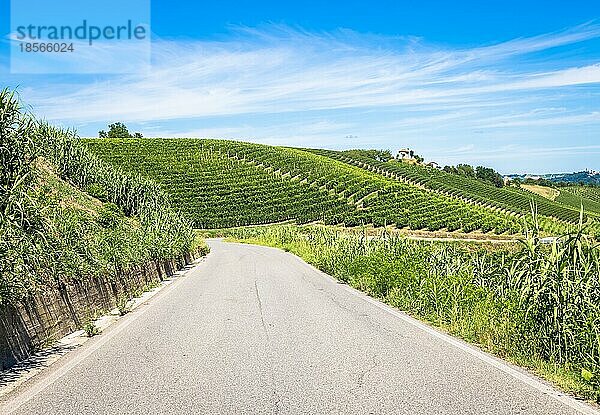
554	216
53	232
588	196
221	183
468	189
576	197
586	177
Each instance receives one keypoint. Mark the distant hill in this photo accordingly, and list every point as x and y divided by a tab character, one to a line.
220	183
587	177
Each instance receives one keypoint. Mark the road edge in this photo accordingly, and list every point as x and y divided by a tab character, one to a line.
517	372
77	346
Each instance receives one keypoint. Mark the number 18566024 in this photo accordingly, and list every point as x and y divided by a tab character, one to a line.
46	47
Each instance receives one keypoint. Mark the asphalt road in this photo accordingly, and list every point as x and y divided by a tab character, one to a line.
254	330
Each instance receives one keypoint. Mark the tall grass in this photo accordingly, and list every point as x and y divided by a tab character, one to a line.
20	222
531	302
44	242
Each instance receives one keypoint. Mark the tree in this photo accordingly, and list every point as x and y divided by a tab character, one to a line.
516	182
450	169
118	130
379	155
465	170
489	175
383	155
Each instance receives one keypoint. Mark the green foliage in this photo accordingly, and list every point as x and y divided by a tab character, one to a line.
21	224
490	175
450	169
588	195
49	238
98	191
222	184
465	170
539	182
167	232
91	329
17	155
118	130
537	302
110	215
123	304
587	375
463	188
378	155
484	174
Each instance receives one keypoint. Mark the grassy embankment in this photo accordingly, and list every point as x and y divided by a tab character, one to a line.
52	232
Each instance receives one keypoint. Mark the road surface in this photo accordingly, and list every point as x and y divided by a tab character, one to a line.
254	330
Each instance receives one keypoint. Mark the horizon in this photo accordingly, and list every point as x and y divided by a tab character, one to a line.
393	151
468	83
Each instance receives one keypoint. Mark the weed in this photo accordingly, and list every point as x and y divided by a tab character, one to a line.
123	304
91	329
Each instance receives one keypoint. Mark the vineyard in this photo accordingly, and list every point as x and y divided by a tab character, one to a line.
462	188
589	196
221	183
573	196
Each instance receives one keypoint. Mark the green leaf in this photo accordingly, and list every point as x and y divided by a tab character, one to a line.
586	374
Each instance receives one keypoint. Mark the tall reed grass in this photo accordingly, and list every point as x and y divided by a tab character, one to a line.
42	241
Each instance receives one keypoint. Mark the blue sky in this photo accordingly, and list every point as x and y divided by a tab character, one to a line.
513	85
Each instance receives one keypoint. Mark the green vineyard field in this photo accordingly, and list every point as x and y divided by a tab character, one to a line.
220	183
589	196
463	188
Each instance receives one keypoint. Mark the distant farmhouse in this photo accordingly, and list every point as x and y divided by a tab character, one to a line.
408	156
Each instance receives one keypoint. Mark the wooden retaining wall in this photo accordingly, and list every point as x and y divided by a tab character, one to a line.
28	327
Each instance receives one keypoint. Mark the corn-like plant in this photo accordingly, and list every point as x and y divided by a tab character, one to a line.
43	242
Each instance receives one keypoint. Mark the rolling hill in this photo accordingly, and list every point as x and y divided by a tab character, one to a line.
464	188
576	196
219	183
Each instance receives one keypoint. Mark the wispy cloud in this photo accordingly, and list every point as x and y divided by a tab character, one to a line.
286	85
280	69
521	152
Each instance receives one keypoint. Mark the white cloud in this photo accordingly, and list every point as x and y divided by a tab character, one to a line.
278	69
505	102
